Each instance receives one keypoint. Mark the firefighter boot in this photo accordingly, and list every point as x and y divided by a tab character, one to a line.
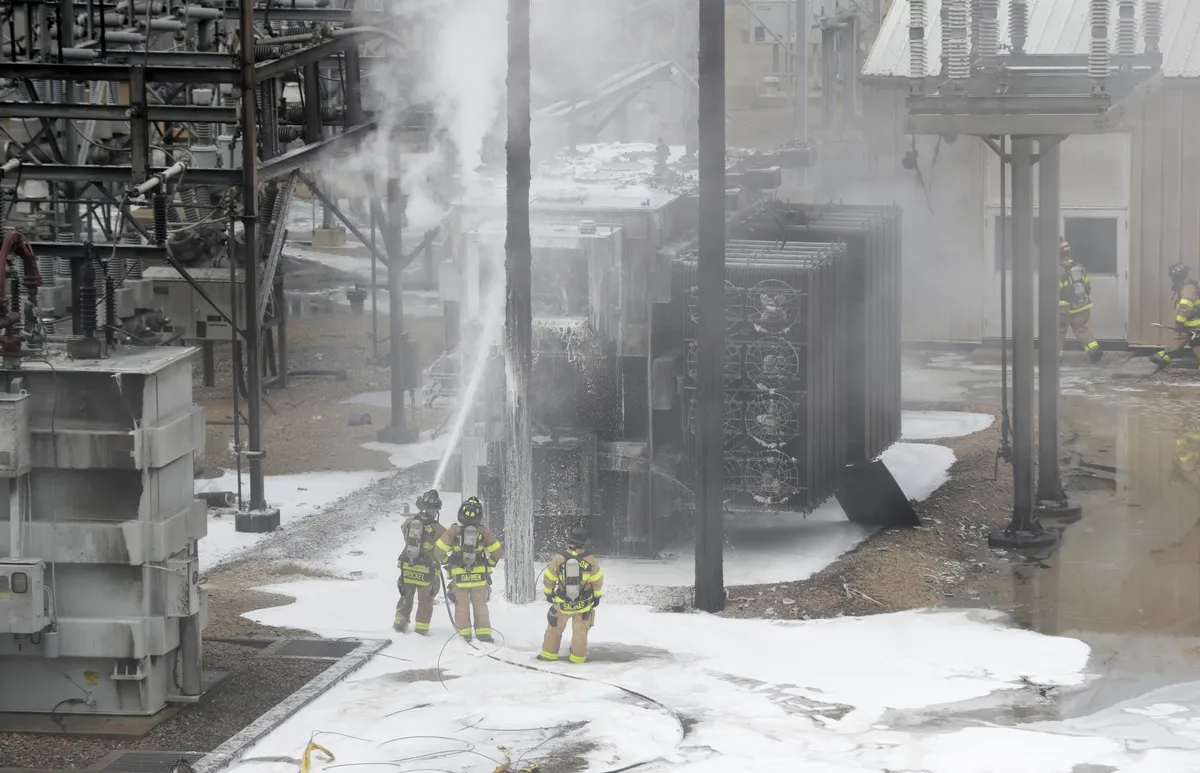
400	626
1095	354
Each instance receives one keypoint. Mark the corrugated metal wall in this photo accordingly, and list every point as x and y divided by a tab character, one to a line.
1165	202
943	269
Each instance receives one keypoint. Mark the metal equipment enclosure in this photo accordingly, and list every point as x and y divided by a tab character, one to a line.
103	533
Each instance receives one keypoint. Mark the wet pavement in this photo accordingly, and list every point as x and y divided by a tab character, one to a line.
1126	577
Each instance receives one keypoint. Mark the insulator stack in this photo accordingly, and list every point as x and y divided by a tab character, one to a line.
1152	23
988	12
64	236
267	205
118	266
202	133
160	218
88	298
290	134
110	309
1126	27
918	62
947	30
960	51
16	297
1018	25
295	113
1099	56
187	197
976	15
133	269
47	267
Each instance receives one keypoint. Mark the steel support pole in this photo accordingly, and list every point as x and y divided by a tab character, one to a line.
1024	530
254	419
398	431
518	313
710	344
800	70
1051	499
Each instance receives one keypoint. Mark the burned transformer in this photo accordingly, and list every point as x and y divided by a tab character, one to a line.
812	373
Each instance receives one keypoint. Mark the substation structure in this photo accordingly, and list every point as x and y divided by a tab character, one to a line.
812	373
148	161
1036	101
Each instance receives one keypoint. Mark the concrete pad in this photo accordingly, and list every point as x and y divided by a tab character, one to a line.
101	726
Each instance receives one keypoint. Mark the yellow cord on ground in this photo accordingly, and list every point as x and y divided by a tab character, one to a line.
313	746
504	766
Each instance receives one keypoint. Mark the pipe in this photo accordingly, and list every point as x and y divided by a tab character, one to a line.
158	179
1049	485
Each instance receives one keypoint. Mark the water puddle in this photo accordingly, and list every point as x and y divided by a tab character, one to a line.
1126	578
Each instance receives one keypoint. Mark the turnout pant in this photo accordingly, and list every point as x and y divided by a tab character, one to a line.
1078	324
468	602
580	623
424	596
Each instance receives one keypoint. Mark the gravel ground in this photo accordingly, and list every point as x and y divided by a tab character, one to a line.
899	569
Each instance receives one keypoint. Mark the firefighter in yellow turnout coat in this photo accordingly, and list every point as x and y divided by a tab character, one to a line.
419	576
471	551
1075	303
573	584
1186	298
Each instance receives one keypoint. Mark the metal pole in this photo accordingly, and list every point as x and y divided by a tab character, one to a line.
254	451
1024	530
800	69
710	398
1051	499
398	431
374	291
518	311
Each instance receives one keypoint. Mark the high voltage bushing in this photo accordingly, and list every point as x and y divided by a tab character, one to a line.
160	218
266	51
290	133
947	28
1152	24
1018	25
200	12
295	113
988	21
918	62
959	59
1099	57
1126	28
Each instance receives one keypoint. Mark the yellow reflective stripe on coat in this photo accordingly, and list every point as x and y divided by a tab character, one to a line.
492	548
442	546
1078	309
550	576
573	607
1186	302
594	577
415	575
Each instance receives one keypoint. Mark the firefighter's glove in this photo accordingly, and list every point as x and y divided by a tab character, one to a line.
450	595
596	601
549	598
433	589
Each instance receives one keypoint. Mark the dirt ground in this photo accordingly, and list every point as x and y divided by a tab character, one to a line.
307	425
900	569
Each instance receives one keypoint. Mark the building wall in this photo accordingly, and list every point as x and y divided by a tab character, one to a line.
1165	205
1147	178
943	225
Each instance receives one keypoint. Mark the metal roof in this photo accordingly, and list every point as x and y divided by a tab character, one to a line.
1055	27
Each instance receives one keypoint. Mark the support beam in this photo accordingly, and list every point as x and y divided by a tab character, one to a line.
121	175
398	430
119	72
710	399
273	68
518	313
299	158
1024	529
1051	500
332	207
180	113
254	396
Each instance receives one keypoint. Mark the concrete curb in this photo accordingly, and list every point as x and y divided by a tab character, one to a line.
229	752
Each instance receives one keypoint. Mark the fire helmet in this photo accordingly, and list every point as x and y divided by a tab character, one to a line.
429	502
1178	273
471	512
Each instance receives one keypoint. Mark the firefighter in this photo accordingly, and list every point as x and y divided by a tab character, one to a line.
1075	303
471	551
1187	316
573	584
419	576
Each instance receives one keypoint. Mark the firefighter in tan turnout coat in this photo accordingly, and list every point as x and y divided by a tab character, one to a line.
419	575
573	584
471	551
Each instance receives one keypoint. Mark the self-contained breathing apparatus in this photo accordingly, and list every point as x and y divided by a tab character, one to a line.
1076	276
415	559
